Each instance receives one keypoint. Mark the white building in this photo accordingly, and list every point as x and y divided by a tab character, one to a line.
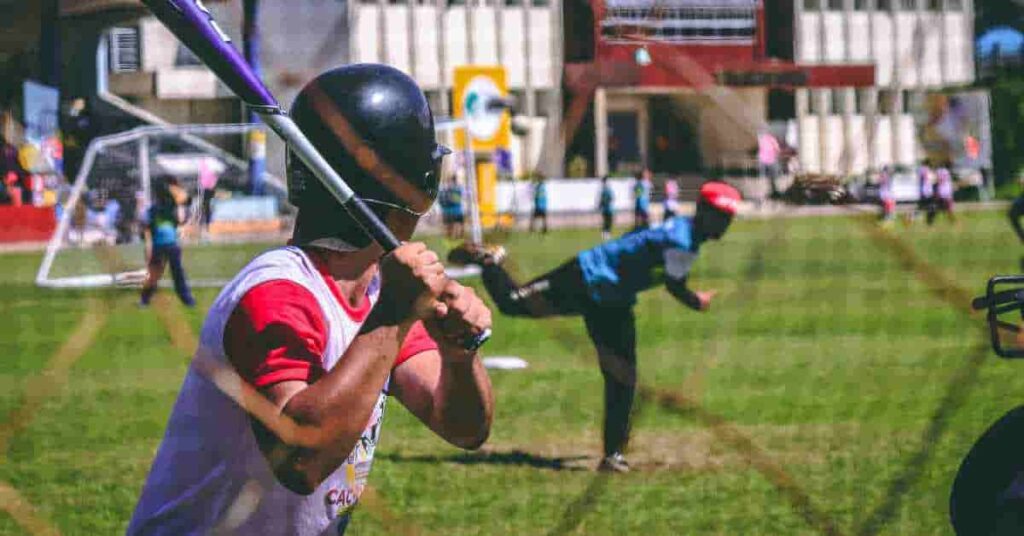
915	46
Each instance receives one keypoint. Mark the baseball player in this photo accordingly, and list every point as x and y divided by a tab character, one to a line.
325	332
601	284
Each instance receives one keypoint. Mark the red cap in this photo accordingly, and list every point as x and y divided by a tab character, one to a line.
721	196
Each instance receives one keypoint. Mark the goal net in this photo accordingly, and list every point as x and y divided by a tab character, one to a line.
99	237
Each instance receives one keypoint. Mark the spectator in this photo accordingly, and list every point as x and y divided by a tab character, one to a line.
885	195
540	204
452	211
671	203
768	150
162	221
943	198
606	205
642	200
208	179
926	191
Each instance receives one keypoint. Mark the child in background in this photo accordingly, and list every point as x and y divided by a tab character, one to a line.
606	204
161	233
671	203
943	198
540	204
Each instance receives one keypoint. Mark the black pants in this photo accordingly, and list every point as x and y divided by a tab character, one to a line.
1016	212
607	219
612	329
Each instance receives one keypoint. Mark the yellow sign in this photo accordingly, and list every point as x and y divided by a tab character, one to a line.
487	193
476	88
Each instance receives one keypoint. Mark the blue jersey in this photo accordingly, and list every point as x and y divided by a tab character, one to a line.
540	197
451	201
642	194
607	199
163	225
616	271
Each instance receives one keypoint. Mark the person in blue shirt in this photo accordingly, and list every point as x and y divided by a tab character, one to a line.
606	205
161	233
540	204
452	211
601	284
642	200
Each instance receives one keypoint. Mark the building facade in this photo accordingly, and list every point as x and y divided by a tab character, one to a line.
141	63
686	86
915	46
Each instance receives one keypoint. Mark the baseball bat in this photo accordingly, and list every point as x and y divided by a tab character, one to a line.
193	24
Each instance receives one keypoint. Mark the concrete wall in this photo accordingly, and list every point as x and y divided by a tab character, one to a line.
918	50
887	38
478	34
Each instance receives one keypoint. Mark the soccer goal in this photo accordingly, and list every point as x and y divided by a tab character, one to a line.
98	241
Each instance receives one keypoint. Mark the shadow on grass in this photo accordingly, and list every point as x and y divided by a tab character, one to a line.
514	457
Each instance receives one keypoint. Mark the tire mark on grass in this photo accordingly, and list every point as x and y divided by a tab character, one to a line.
23	514
725	430
959	387
55	375
37	391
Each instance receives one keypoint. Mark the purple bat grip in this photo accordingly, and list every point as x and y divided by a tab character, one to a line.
192	23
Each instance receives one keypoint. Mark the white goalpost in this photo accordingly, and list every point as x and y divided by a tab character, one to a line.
98	241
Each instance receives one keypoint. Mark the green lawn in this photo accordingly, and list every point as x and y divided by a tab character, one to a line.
829	389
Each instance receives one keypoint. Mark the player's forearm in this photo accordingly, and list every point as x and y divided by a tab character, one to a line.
334	410
465	403
681	292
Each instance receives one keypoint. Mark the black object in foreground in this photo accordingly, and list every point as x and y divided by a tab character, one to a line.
1004	303
988	492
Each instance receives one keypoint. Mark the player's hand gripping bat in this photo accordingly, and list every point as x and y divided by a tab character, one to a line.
191	22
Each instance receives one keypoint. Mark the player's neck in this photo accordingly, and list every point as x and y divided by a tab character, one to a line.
353	271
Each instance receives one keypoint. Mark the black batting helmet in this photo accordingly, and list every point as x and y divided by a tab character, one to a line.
373	125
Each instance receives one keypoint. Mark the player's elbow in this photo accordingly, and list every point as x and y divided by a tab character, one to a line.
472	442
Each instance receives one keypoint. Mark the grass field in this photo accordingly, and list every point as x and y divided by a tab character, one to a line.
833	389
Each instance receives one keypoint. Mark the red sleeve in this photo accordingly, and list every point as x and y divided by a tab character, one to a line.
276	333
416	342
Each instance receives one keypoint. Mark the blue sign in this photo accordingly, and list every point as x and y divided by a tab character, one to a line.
42	109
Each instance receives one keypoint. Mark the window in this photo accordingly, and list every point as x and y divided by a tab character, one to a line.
812	5
838	104
781	105
861	101
812	102
836	5
935	5
883	5
861	5
886	102
908	5
913	101
125	53
955	5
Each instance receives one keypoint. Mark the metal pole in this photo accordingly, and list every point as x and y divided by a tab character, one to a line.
475	228
144	172
49	43
257	138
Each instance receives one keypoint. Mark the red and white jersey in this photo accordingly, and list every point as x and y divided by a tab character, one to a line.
209	474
